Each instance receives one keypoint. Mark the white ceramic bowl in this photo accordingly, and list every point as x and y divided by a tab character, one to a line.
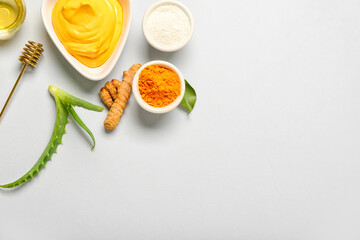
158	45
98	73
145	105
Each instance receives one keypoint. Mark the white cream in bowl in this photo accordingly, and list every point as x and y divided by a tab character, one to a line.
168	26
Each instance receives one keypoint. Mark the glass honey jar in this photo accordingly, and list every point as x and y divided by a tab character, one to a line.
12	16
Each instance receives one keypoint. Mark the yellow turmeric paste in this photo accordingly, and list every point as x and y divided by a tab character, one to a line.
88	29
159	85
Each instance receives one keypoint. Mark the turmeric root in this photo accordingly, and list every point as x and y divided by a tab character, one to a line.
109	92
112	89
116	83
106	97
123	94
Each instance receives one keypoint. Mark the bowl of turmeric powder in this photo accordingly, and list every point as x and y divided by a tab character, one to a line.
158	87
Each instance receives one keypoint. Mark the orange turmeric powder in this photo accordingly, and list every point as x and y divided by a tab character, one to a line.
159	85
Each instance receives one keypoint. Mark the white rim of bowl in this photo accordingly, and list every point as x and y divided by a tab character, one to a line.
76	64
144	104
151	9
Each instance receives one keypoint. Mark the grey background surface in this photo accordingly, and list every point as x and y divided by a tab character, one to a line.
271	150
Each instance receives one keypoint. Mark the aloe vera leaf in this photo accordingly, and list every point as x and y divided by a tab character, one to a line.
71	100
81	123
55	140
63	102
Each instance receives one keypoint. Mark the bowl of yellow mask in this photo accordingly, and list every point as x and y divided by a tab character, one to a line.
90	34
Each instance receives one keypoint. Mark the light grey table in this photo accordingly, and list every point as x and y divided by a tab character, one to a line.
271	150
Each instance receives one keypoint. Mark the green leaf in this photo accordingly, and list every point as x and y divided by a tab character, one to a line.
64	105
189	99
81	124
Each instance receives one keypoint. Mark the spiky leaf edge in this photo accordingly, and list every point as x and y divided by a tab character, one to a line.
62	113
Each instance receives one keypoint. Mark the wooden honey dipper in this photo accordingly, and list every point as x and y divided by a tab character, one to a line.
30	56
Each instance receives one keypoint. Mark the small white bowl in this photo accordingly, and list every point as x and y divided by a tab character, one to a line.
101	72
158	45
145	105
